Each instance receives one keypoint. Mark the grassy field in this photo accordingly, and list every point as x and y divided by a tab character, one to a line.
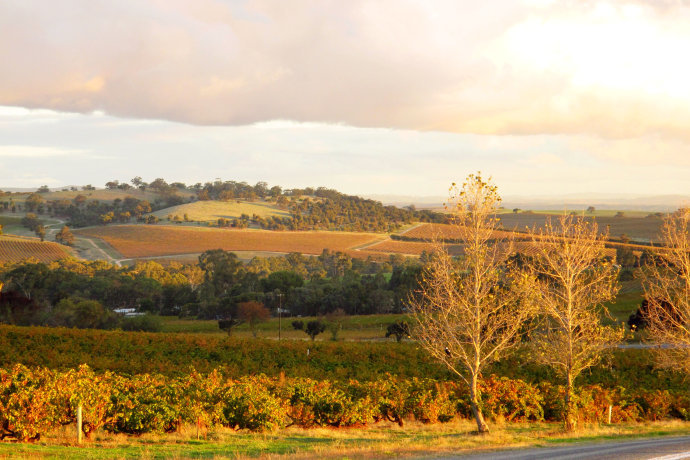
15	249
384	440
211	211
363	327
134	241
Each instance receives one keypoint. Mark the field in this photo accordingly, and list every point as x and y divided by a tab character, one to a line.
211	211
443	231
643	229
133	241
409	247
15	249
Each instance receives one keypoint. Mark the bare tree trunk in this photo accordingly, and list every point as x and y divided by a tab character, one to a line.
482	427
569	413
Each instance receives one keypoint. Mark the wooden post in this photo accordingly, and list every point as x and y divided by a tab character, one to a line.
610	409
79	423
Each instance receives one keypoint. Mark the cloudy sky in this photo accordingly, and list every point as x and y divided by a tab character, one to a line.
369	97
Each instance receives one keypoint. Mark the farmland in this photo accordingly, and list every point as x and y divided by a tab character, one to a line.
643	229
409	247
429	232
14	249
133	241
209	211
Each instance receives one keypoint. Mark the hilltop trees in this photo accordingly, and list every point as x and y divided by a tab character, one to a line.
572	279
468	312
666	284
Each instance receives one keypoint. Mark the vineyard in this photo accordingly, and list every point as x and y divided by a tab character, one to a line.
34	401
410	247
150	241
430	232
14	249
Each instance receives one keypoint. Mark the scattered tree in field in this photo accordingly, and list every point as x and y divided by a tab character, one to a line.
65	236
253	313
639	320
572	280
40	232
228	324
298	325
334	322
468	313
591	210
33	202
398	330
667	290
314	328
620	214
43	189
516	210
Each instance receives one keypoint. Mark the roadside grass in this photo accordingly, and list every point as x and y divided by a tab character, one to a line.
384	440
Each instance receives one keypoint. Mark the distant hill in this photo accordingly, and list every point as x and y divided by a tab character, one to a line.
659	203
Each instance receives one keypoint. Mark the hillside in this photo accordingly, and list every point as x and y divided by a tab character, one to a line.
211	211
16	249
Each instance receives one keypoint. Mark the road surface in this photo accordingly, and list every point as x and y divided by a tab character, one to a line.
661	448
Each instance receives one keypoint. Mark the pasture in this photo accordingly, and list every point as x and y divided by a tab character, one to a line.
16	249
135	241
211	211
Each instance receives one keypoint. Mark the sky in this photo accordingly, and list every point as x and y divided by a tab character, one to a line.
368	97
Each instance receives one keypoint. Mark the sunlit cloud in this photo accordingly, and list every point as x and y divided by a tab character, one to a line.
609	68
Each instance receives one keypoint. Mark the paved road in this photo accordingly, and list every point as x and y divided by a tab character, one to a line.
664	448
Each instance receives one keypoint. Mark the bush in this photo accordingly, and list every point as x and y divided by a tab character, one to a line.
248	404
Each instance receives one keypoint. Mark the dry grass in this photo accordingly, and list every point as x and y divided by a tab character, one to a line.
206	211
135	241
383	440
16	249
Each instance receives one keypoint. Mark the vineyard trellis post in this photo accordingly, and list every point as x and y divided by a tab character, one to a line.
80	432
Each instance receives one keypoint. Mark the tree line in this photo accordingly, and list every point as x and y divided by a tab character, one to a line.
84	293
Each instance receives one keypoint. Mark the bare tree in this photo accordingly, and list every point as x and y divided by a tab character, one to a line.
467	312
572	279
666	283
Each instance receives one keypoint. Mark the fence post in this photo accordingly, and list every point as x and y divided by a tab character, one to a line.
610	409
79	423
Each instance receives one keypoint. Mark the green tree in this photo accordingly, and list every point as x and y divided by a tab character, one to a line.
314	328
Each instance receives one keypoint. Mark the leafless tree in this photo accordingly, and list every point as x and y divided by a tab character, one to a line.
666	284
572	280
467	312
